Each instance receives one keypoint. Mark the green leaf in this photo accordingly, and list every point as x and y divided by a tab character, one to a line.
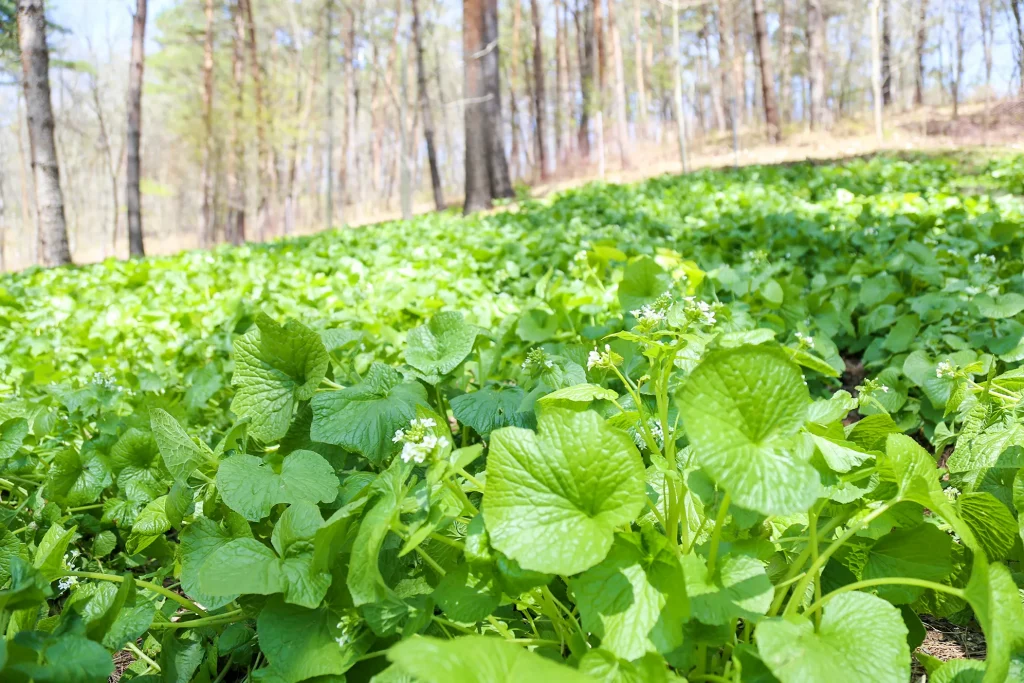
198	541
1003	306
959	671
137	466
840	455
466	596
364	417
742	409
150	525
740	588
246	566
250	486
922	552
276	367
635	599
302	643
605	667
993	525
365	583
180	453
12	434
491	408
579	393
996	601
912	470
77	478
642	282
67	658
477	659
49	556
862	639
441	345
554	498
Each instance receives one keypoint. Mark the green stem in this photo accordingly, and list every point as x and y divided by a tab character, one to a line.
716	534
471	479
709	677
142	655
430	561
215	620
812	527
329	383
886	581
467	504
170	595
83	508
816	565
453	625
441	538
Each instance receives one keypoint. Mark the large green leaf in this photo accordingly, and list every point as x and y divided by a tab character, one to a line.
363	418
491	408
738	588
554	498
137	466
922	552
250	486
635	599
12	434
198	541
643	282
77	478
862	639
742	409
180	453
438	347
996	601
991	522
276	366
477	659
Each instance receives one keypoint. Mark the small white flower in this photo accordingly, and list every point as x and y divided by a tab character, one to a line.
945	369
593	358
885	389
399	435
66	583
952	493
805	340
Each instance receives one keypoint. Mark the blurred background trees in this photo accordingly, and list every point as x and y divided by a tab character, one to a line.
188	123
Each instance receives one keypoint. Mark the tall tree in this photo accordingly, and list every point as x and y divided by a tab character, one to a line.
425	110
678	111
985	12
876	67
585	48
618	87
816	63
921	39
886	53
235	230
266	187
764	56
638	66
133	196
35	64
563	97
478	177
207	228
1017	9
501	181
785	61
959	50
539	107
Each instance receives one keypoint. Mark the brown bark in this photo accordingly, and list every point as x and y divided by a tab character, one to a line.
266	189
27	189
235	229
425	109
886	54
785	61
350	182
538	89
512	72
816	60
207	229
501	182
478	182
133	196
1018	48
619	91
764	50
35	64
563	98
585	44
921	39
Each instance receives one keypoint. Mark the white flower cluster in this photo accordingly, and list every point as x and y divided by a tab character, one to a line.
106	380
603	359
952	493
419	441
349	628
580	256
805	340
870	232
945	369
66	583
654	426
537	360
699	310
985	258
648	316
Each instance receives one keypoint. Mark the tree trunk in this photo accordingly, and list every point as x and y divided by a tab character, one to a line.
959	29
404	134
425	109
133	196
638	65
921	40
785	61
764	50
112	168
876	67
816	63
886	53
563	101
1018	20
538	89
350	180
585	45
677	85
501	182
619	92
478	177
35	63
266	189
985	13
236	147
28	190
207	229
512	73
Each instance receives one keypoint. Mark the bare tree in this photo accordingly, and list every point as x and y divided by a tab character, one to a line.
266	187
501	181
876	67
35	64
677	81
638	66
133	196
920	40
816	63
764	55
959	50
985	12
206	217
113	163
235	230
886	53
425	109
618	88
478	177
538	88
785	60
1017	9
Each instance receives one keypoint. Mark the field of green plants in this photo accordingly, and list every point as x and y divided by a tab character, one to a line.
741	426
